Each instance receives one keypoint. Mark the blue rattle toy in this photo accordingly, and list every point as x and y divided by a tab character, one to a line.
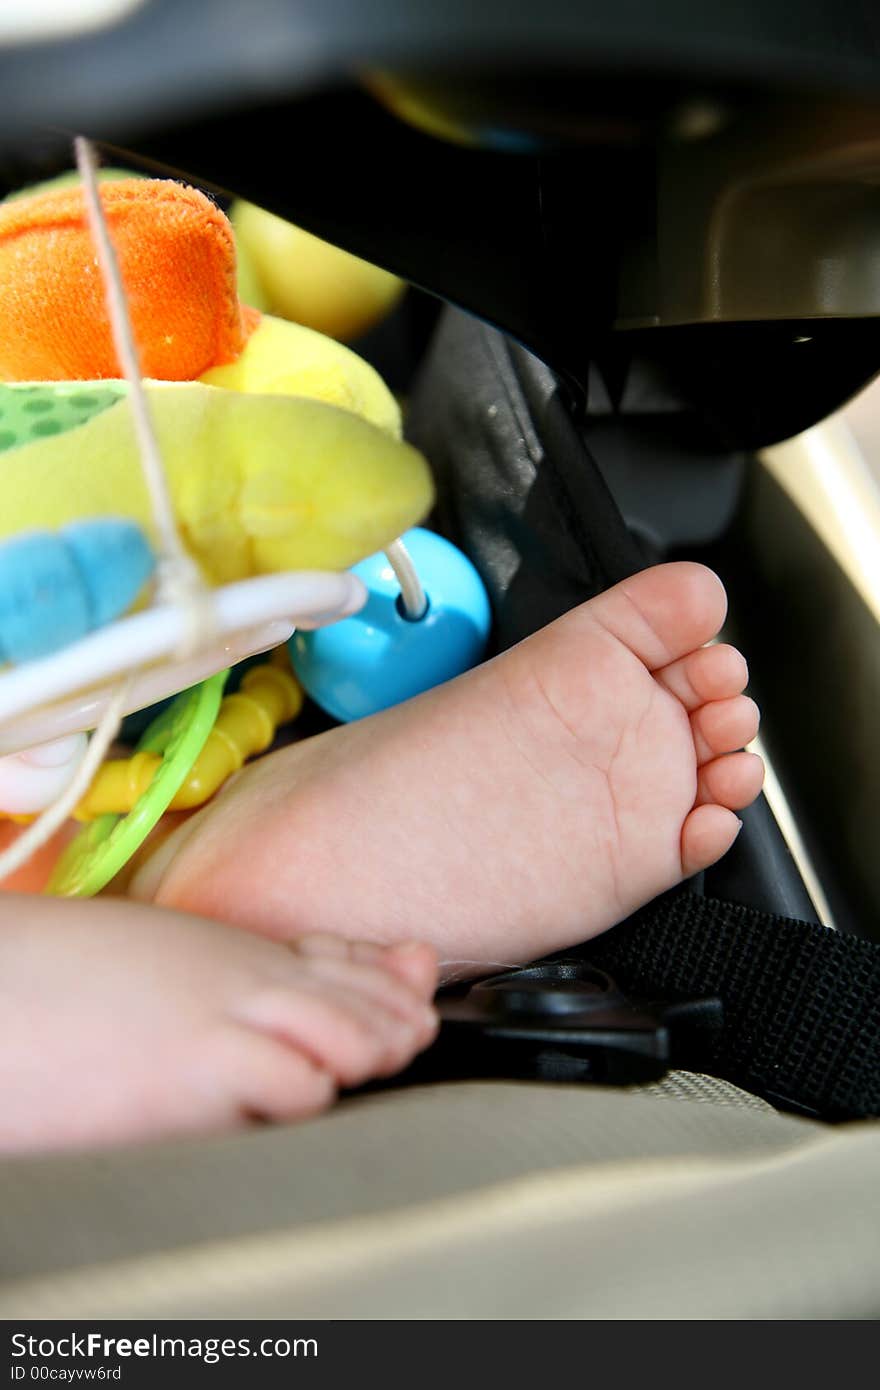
426	620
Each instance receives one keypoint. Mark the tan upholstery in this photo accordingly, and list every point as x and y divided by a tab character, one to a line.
476	1200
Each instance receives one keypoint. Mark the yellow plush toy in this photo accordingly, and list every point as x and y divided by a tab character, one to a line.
281	447
287	271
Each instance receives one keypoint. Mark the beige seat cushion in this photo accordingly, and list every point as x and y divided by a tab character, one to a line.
469	1200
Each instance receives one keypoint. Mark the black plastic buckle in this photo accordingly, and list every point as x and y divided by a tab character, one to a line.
563	1020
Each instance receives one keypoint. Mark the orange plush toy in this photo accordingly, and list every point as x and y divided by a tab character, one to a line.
177	256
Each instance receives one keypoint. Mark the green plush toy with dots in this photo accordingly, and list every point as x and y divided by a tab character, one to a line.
31	412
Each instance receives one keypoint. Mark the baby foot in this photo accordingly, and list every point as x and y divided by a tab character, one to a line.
523	807
122	1023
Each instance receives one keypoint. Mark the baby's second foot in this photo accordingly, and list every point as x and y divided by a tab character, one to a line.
121	1022
521	808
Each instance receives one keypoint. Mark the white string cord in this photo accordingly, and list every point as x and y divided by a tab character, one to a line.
178	578
412	594
43	828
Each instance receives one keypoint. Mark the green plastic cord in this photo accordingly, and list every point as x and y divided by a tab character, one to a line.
105	846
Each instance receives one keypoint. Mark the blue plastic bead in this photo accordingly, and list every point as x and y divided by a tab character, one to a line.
56	587
379	657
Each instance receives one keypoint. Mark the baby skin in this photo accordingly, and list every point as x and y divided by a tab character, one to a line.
524	807
122	1023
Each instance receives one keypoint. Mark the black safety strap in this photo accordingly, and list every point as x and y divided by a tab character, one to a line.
801	1002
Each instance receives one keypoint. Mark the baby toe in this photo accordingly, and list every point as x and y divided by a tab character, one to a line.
411	962
381	984
366	952
707	834
724	726
334	947
733	780
349	1036
416	964
270	1080
663	612
709	673
720	671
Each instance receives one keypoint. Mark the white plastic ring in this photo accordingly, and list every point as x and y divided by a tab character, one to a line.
31	781
305	599
86	709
